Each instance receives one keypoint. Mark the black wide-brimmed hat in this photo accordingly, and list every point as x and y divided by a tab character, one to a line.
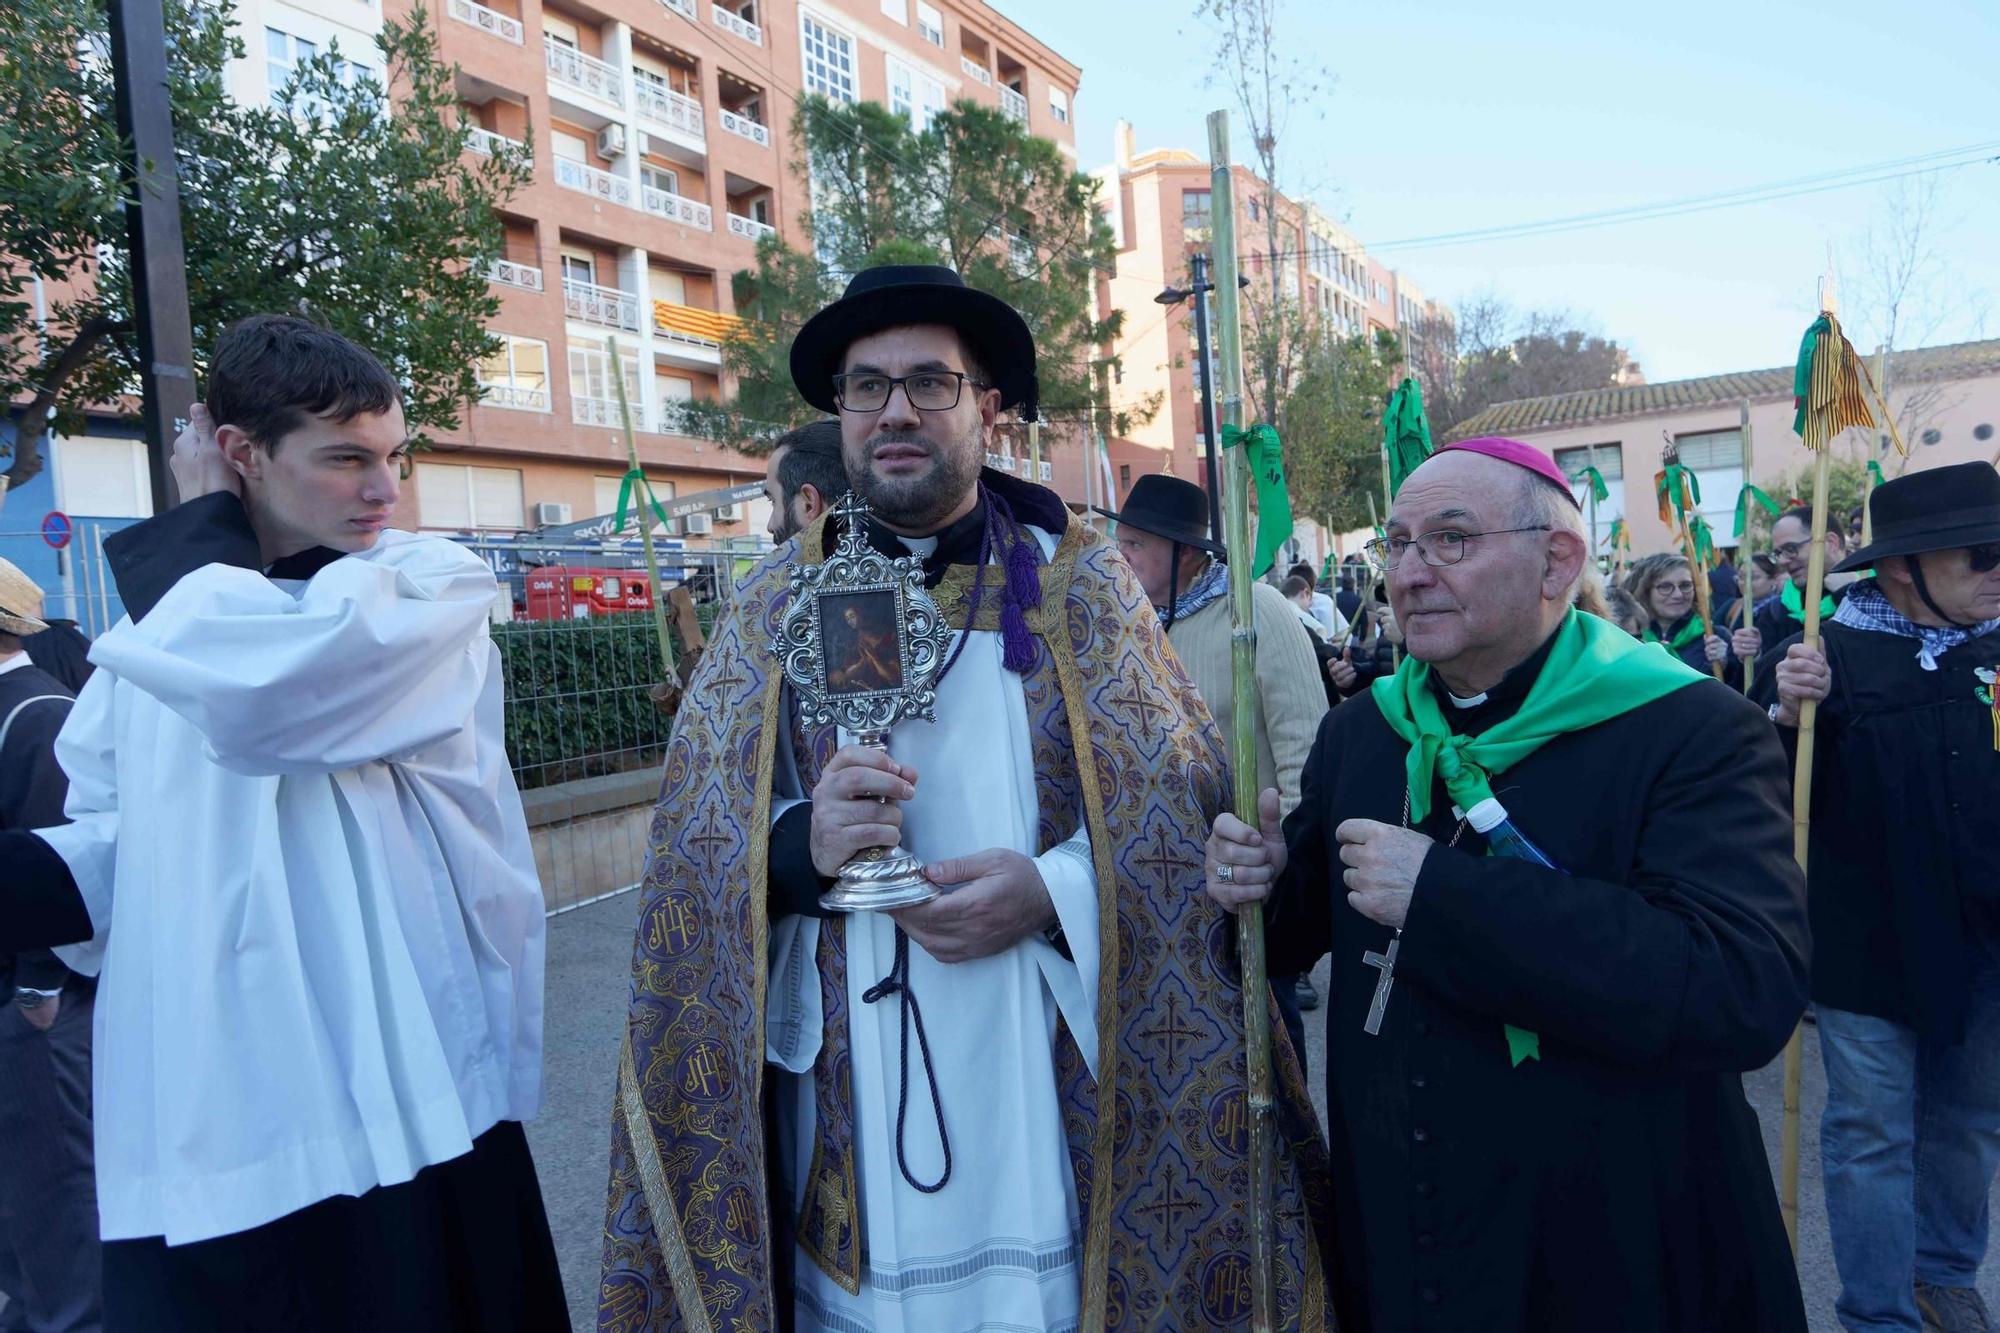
1167	507
896	295
1937	509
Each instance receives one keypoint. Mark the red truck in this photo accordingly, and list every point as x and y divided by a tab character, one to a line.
567	592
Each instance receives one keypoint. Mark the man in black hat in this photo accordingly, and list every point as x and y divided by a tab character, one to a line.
1904	888
1163	532
1021	1104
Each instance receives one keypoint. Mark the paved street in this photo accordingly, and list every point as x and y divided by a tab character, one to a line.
589	965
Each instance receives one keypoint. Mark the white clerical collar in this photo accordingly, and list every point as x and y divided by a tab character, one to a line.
14	661
920	547
1473	702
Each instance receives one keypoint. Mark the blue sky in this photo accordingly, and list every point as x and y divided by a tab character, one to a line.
1449	115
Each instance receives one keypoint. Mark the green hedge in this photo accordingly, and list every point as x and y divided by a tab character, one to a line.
577	696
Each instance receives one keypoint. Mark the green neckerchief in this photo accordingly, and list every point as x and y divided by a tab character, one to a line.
1794	602
1688	634
1594	672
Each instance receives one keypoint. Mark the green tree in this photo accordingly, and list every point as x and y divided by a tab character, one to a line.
1333	455
973	190
340	202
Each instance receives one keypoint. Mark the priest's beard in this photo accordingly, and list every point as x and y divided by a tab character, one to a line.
920	504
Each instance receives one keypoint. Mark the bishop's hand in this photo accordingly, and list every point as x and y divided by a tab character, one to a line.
1244	862
1382	862
992	901
855	806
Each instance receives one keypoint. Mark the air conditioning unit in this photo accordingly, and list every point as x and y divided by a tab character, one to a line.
699	525
549	514
728	513
611	141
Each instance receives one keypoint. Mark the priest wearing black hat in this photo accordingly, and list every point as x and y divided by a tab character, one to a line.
1903	883
1020	1104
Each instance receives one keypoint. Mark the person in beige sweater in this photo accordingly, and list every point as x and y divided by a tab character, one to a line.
1163	532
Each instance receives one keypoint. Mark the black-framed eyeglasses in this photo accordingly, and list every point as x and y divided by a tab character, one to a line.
1790	550
927	390
1446	546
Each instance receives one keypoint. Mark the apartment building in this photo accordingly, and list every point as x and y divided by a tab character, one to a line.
663	151
1160	208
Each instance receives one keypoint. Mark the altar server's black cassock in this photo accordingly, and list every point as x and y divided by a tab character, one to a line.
1619	1181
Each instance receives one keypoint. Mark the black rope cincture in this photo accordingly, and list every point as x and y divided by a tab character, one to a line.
898	983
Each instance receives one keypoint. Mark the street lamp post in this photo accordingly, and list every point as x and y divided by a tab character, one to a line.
1199	290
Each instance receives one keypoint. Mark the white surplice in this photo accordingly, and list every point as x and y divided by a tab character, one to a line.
319	931
999	1247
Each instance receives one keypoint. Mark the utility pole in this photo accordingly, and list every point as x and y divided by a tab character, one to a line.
153	231
1202	287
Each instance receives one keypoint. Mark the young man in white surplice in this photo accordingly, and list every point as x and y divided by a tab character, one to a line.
299	865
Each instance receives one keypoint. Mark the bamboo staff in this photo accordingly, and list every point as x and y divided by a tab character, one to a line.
1035	450
1682	502
1243	734
644	494
1744	597
1375	521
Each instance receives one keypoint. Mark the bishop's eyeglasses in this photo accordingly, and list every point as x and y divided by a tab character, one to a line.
1445	546
927	390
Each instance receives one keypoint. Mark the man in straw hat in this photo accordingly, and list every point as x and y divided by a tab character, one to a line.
1021	1104
48	1206
299	867
1904	887
1557	938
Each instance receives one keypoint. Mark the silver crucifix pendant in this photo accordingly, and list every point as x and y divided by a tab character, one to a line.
1380	1004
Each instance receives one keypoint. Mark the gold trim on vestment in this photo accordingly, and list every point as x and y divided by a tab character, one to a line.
659	1198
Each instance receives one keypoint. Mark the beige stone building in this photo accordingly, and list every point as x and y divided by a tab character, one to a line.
1946	400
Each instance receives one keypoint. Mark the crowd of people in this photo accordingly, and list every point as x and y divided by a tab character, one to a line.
273	932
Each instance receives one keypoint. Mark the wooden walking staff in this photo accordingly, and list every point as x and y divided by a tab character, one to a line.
1676	486
635	480
1375	521
1243	734
1828	386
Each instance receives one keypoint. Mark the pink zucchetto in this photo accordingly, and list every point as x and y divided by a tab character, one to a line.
1520	455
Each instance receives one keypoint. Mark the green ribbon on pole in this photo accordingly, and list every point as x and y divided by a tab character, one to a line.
1522	1044
1274	505
1668	487
1802	373
1620	537
1406	433
1743	498
1703	538
1875	471
1596	480
636	479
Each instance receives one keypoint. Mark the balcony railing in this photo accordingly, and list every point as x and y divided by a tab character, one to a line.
486	142
682	7
587	73
977	72
600	412
605	306
748	128
750	229
663	106
514	397
511	274
737	24
486	20
1014	104
675	208
589	180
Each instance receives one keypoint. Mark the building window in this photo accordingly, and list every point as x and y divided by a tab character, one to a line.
930	25
828	58
103	478
1195	216
660	178
896	9
284	53
1059	105
579	268
903	91
460	498
1716	457
516	376
1124	476
593	397
1256	211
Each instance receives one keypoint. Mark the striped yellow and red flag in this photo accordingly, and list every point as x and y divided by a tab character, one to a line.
1828	388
